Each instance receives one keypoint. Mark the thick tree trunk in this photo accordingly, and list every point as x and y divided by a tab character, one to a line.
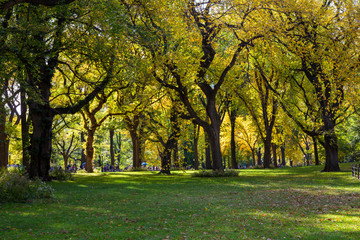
41	117
233	144
112	154
89	151
214	139
166	161
267	152
331	152
3	137
214	133
136	148
317	161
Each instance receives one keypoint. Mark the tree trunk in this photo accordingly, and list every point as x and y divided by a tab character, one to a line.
135	149
41	139
24	131
307	155
207	152
267	152
83	156
233	144
66	160
196	151
176	154
112	154
3	137
316	154
253	153
331	152
259	157
274	154
214	133
216	155
89	151
165	161
283	162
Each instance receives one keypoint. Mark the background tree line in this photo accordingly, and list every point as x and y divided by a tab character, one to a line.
206	83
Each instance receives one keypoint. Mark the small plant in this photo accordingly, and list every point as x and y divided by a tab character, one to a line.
216	173
16	187
40	189
60	175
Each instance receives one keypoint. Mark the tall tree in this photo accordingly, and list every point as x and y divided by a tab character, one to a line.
40	54
206	24
321	41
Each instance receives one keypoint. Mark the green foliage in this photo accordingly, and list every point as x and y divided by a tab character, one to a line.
17	187
216	173
60	175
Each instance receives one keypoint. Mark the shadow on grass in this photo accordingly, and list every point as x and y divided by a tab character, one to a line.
278	204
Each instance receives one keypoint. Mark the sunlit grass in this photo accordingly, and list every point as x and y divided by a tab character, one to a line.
288	203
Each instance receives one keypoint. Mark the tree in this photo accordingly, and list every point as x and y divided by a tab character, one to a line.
44	46
66	148
207	24
267	102
321	42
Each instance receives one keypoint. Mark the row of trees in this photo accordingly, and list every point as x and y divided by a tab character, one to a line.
158	65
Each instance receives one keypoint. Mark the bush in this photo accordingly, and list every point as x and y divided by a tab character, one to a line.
40	189
16	187
216	173
60	175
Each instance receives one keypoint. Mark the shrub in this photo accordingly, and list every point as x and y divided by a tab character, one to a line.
216	173
60	175
16	187
40	189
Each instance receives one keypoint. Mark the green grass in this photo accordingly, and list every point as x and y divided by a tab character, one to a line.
290	203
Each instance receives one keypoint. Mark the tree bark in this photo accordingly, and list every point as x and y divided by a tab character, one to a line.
207	152
25	139
112	154
233	144
83	156
41	139
274	154
259	157
89	151
3	136
283	162
267	152
317	161
331	152
196	151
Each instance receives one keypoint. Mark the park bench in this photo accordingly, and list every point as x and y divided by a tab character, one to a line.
355	169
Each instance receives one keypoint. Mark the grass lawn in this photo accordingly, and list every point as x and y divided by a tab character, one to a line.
296	203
